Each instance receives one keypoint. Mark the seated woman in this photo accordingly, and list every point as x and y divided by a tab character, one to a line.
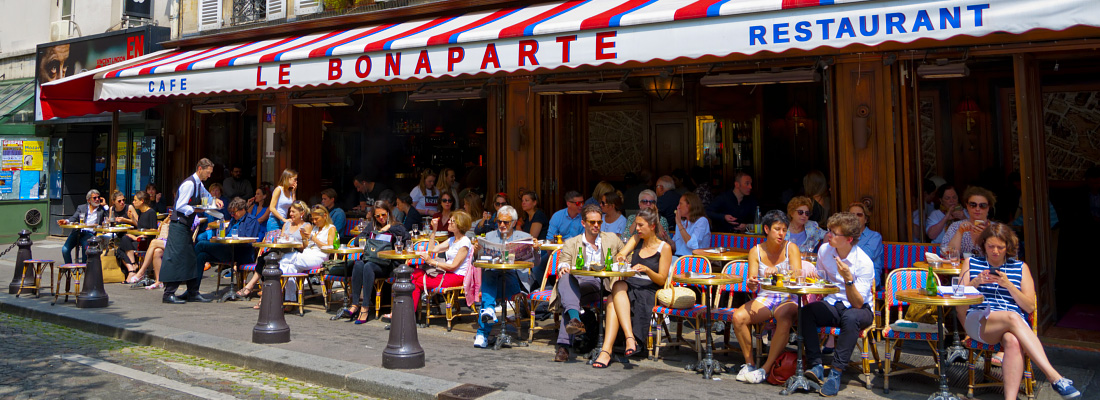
257	206
118	212
446	208
613	219
692	227
775	255
959	237
153	255
531	219
146	218
295	229
631	304
487	223
471	204
647	199
322	233
1002	318
457	262
949	211
363	273
803	232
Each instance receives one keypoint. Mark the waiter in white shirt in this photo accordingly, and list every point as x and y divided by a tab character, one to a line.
842	262
179	264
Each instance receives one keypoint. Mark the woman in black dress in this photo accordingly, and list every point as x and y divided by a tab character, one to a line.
631	305
146	218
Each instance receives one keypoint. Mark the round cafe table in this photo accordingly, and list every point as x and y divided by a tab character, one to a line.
394	255
547	246
798	380
939	269
722	254
956	351
595	353
76	226
710	282
914	296
503	338
234	243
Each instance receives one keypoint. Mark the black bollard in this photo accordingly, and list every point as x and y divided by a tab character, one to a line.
271	327
24	243
92	294
403	351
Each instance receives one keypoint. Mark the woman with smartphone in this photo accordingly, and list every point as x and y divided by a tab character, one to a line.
959	238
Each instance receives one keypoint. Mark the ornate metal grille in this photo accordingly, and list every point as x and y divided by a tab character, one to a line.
247	11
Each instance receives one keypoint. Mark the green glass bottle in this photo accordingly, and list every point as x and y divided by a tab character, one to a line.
931	287
336	243
580	258
607	261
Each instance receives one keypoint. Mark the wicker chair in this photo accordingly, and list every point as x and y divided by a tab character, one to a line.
682	265
902	279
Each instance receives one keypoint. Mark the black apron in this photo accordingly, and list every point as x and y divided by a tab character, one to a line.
178	264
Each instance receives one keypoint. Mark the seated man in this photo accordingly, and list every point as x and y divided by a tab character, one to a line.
244	224
572	291
92	213
339	219
839	260
490	279
733	211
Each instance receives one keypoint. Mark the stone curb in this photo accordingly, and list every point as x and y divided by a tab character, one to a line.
354	377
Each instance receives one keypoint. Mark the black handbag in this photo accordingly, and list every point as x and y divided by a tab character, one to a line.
371	247
337	267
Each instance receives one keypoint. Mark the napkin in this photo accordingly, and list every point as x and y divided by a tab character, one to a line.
715	251
902	325
948	290
933	258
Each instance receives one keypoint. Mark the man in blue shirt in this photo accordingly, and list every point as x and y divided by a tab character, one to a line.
244	225
869	241
339	220
567	222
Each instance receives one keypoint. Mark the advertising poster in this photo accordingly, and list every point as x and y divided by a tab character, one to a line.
13	155
32	155
7	181
29	184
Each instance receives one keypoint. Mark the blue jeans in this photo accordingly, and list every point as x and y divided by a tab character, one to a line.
76	238
490	292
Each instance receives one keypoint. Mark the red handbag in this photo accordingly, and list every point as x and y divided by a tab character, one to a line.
783	368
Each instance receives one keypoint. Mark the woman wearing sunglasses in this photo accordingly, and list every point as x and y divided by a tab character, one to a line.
960	236
381	226
487	223
647	200
803	232
446	207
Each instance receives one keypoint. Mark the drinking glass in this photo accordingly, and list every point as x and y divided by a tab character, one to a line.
408	245
956	287
801	280
399	246
416	230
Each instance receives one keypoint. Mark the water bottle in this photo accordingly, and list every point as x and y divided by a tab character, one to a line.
579	264
757	222
336	243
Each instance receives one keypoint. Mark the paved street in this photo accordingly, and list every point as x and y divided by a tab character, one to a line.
40	360
450	355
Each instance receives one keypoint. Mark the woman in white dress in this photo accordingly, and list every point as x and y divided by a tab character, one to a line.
320	234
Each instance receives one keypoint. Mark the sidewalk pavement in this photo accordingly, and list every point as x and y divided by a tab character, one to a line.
347	356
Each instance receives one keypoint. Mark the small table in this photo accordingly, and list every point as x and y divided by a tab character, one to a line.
955	353
595	353
914	296
708	366
505	268
233	243
798	380
939	269
144	232
161	216
546	246
722	254
394	255
76	226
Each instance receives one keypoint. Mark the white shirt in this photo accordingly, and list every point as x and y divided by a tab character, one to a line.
186	190
452	252
863	272
591	252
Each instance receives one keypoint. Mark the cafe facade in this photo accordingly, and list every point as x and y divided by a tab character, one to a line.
557	96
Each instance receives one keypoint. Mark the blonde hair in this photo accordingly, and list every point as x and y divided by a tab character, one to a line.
284	179
302	208
462	220
441	181
324	220
602	188
423	177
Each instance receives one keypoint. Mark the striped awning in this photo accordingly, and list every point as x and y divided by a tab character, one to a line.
573	33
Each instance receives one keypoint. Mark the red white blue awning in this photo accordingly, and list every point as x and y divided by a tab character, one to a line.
574	33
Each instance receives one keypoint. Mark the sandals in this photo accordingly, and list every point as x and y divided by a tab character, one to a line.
600	365
134	277
245	292
630	352
155	286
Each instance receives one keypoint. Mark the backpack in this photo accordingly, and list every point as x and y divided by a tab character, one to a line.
783	368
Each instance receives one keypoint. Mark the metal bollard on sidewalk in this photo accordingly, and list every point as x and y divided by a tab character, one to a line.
20	279
403	350
92	293
271	326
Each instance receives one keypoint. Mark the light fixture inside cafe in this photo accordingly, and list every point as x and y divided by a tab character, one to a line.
449	94
218	108
333	101
943	69
762	78
548	89
662	86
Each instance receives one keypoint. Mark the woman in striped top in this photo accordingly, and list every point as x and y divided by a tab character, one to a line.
1002	318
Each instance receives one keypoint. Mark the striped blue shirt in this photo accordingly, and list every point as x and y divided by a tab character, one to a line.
998	298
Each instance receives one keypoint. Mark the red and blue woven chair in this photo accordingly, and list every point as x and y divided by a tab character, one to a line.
543	296
735	240
904	279
244	269
900	255
979	351
725	314
682	265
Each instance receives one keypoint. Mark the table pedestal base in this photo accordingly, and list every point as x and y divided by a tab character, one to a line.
800	382
943	396
708	366
504	339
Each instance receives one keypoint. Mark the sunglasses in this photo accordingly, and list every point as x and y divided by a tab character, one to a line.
596	222
648	201
604	203
380	215
501	204
858	214
446	201
576	203
978	205
802	212
504	221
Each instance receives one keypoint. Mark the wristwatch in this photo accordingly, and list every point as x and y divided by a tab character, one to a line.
850	283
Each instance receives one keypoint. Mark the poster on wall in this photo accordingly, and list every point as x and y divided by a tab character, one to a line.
13	155
32	155
29	184
7	181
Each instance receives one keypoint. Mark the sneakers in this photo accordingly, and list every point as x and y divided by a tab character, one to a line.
816	372
481	342
488	316
743	373
1065	388
757	375
831	386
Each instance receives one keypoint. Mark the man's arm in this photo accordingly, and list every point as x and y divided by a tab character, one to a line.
339	221
716	210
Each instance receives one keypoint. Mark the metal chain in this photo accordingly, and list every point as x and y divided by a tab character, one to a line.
2	253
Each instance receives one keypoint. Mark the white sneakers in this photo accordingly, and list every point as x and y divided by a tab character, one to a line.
488	316
480	341
751	374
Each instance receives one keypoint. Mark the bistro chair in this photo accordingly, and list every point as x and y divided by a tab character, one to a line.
725	314
449	306
899	255
543	295
684	264
980	351
70	273
903	279
380	283
35	267
868	348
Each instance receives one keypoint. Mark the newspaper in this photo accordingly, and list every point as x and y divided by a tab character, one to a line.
524	250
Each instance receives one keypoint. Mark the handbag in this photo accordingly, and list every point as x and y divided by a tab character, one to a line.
783	368
371	247
676	297
337	267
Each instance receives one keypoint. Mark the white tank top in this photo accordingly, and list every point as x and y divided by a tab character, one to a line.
283	205
783	266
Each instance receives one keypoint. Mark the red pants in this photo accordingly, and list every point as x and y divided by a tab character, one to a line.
442	280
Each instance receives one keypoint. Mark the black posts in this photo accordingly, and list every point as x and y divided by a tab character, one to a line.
271	327
92	294
403	350
24	243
